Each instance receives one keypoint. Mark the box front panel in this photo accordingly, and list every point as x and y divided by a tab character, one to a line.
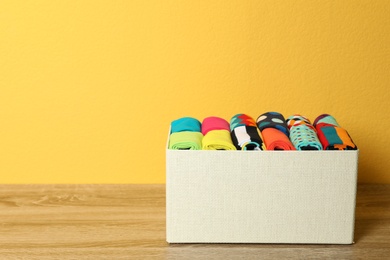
261	197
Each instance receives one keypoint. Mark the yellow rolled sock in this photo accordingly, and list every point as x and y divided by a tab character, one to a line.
185	140
218	140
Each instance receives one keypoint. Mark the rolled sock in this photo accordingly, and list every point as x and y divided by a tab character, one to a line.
185	134
214	123
325	119
276	140
297	119
244	133
272	120
274	131
185	124
186	140
331	135
302	134
218	140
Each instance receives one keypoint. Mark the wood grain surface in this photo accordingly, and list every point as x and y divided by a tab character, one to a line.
128	222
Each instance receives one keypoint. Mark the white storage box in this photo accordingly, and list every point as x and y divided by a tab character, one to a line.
261	196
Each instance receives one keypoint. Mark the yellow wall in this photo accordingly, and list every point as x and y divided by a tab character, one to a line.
88	88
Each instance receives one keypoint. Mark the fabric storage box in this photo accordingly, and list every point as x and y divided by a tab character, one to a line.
260	196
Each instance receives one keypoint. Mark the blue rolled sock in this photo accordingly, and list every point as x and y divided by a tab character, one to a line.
185	124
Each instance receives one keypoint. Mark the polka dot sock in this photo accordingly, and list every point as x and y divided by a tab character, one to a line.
302	134
272	120
275	132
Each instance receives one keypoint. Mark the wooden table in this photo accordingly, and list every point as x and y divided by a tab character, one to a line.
128	222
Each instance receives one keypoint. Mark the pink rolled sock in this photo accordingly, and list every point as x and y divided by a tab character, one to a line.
214	123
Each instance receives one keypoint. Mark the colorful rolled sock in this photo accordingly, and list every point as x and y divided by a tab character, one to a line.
276	140
244	133
218	140
302	134
272	120
331	135
325	119
214	123
297	119
274	131
186	140
185	124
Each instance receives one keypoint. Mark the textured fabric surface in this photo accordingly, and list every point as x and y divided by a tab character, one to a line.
244	133
261	197
186	140
331	135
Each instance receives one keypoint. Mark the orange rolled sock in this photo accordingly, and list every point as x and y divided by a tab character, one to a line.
276	140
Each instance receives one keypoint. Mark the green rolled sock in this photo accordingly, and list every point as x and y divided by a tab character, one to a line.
186	140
